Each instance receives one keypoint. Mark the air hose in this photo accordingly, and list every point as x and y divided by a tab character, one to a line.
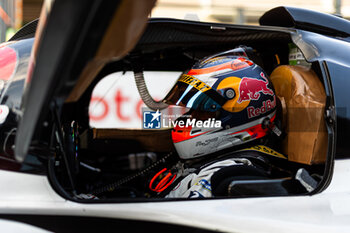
143	91
114	185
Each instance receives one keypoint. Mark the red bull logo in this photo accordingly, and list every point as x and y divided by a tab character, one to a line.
267	106
250	88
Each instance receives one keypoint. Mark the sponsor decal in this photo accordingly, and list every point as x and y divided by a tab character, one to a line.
206	142
240	63
213	61
194	82
221	65
105	109
205	184
250	88
266	107
266	150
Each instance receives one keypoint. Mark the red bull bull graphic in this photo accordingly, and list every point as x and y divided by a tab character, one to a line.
250	88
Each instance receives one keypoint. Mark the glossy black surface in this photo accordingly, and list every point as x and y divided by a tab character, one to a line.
306	20
11	96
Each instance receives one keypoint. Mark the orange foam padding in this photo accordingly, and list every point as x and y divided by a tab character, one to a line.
303	98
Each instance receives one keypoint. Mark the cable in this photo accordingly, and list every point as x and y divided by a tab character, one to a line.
112	186
60	141
164	182
145	95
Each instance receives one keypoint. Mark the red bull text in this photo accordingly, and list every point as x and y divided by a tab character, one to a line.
266	107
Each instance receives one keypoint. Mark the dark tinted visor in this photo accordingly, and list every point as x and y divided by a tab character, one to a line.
193	93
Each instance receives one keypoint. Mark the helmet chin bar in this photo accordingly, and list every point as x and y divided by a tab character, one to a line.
145	96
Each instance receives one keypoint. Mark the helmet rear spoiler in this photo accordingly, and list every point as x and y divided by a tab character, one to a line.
309	20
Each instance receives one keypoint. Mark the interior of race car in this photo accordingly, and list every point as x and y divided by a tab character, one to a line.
118	164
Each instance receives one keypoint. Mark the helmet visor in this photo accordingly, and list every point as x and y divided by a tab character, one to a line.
194	93
191	92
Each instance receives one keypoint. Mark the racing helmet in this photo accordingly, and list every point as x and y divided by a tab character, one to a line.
231	101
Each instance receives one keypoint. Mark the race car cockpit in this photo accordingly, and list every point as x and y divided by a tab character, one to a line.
254	111
271	138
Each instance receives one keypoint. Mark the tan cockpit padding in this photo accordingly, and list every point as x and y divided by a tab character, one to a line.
303	97
150	140
124	31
